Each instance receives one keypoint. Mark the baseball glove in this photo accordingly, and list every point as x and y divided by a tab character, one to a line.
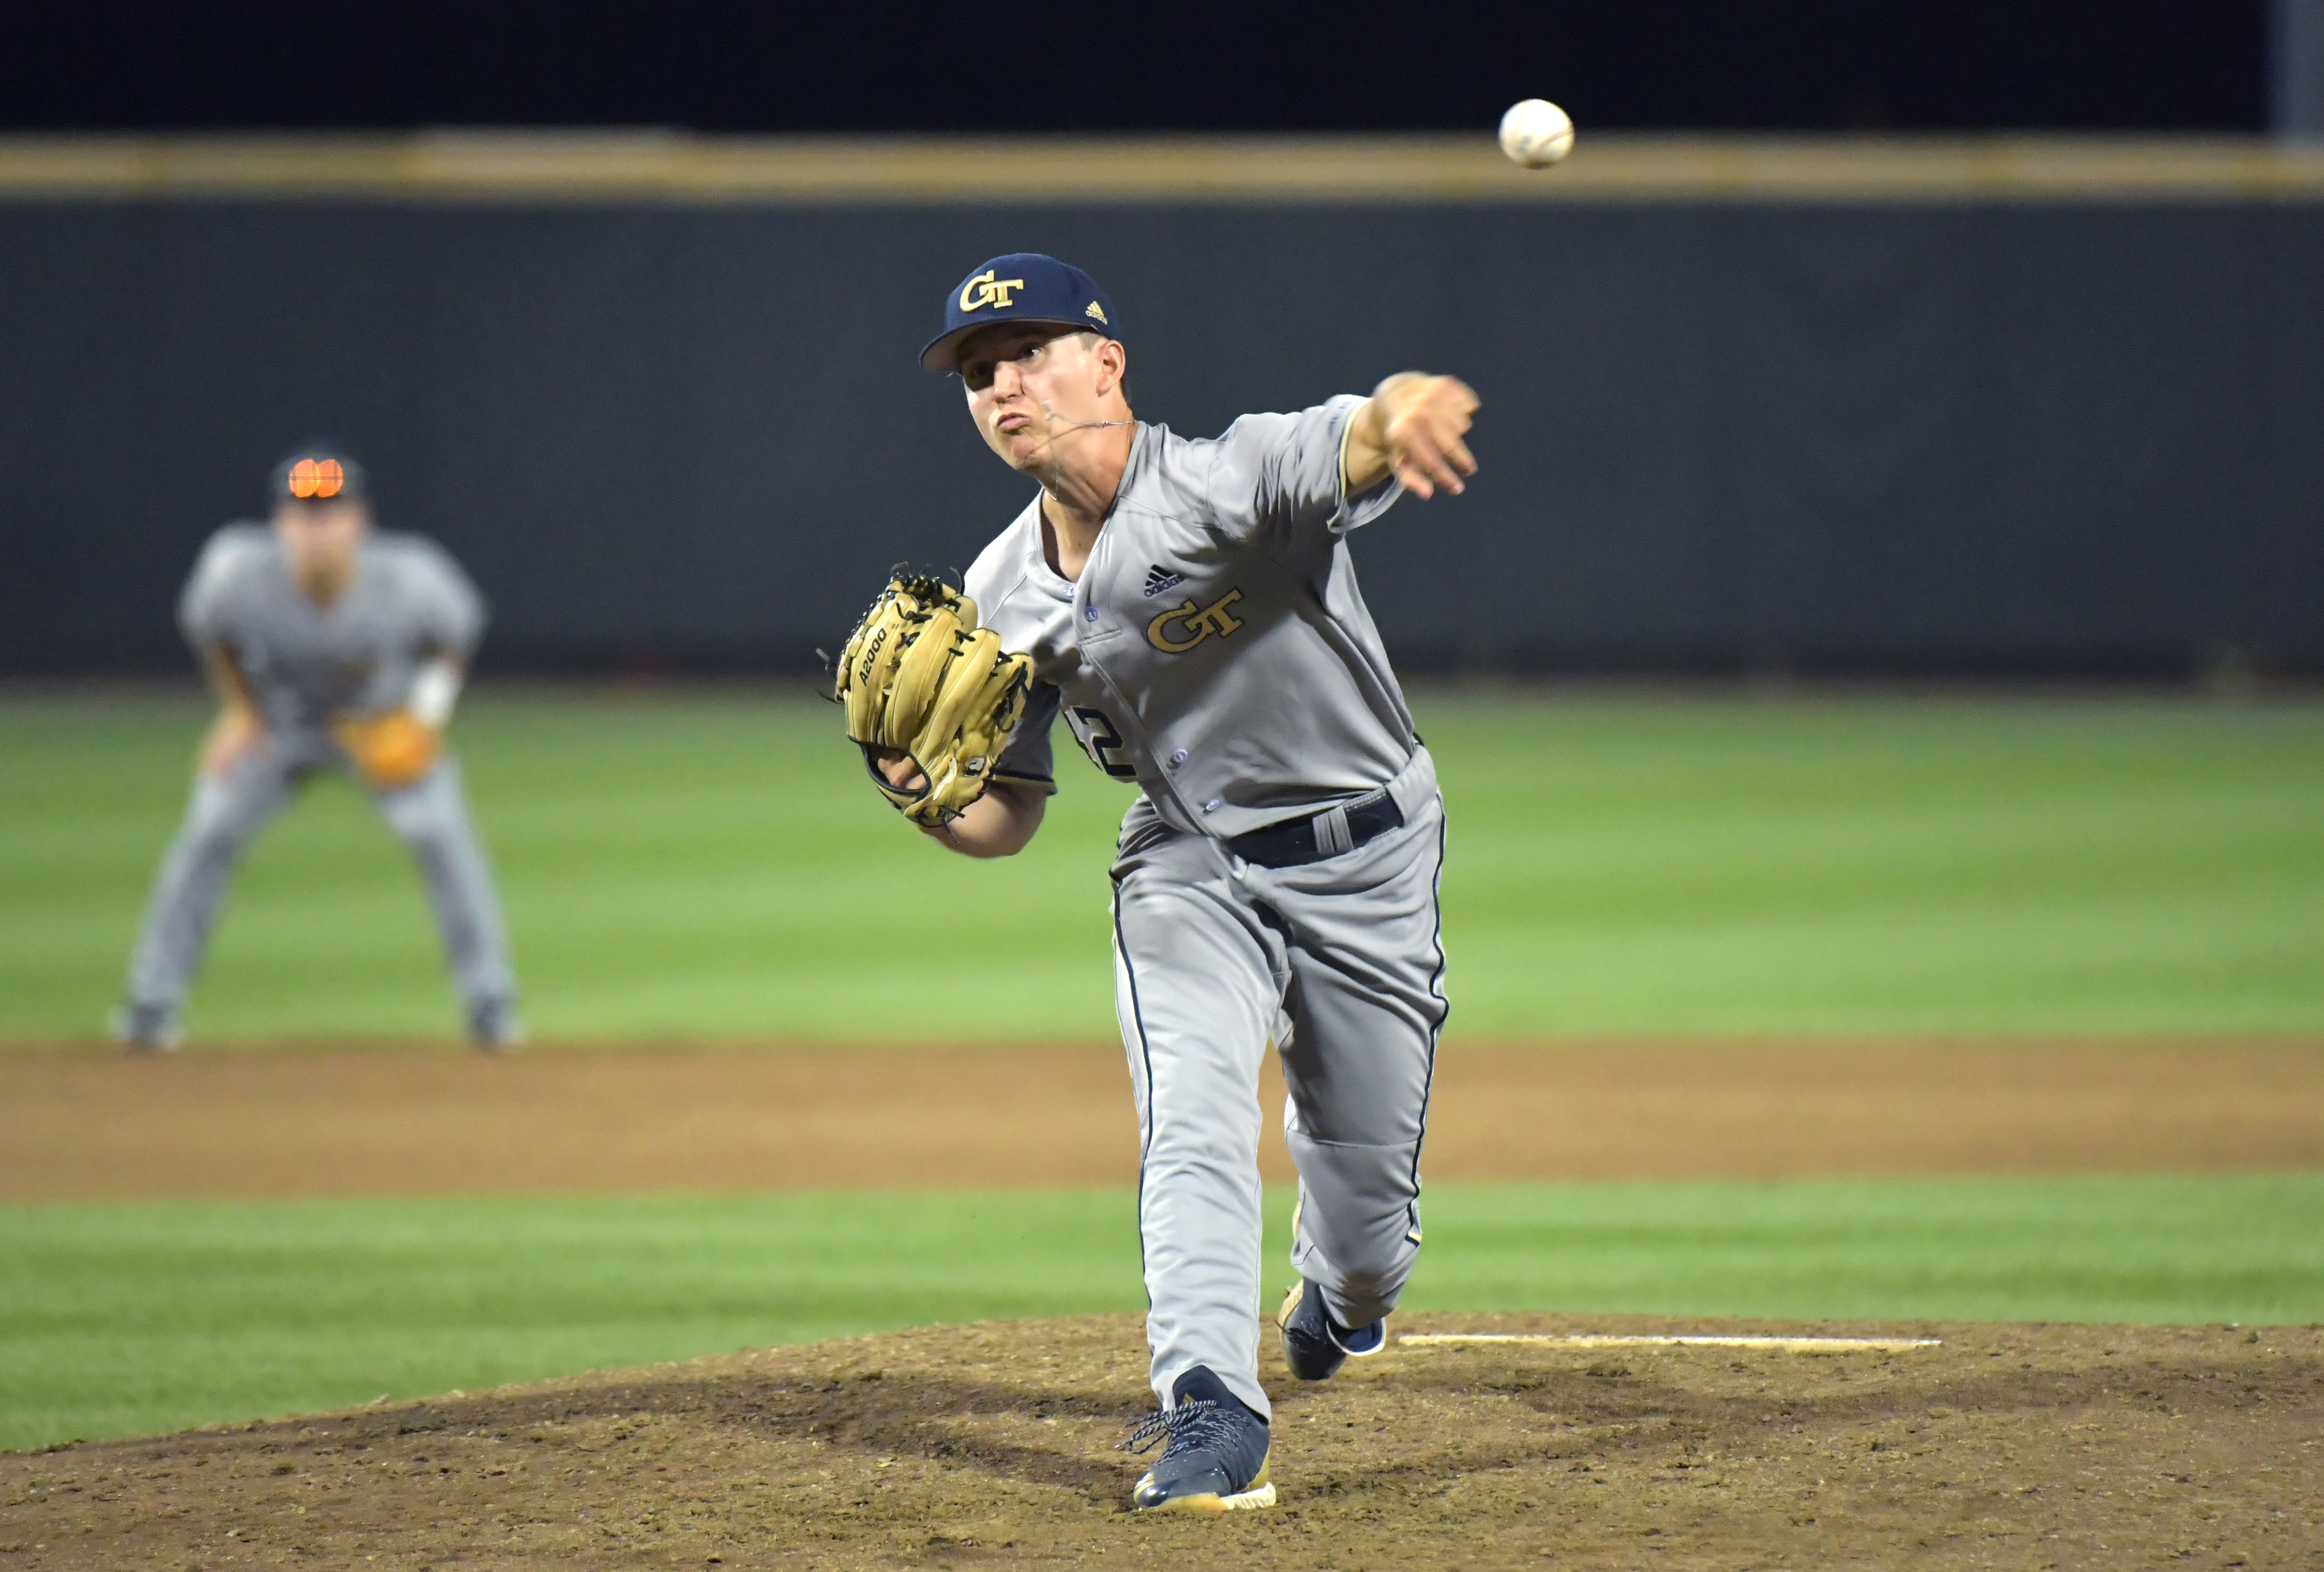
390	749
919	677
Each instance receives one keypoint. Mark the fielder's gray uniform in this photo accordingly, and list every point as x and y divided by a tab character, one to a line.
1216	652
407	602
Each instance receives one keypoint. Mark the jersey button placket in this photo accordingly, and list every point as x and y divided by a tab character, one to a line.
1177	758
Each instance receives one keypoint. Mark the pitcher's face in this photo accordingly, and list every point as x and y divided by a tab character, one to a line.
1029	383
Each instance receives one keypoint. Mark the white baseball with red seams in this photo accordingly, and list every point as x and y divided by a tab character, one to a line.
1537	133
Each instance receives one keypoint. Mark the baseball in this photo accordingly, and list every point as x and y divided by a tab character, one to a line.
1537	133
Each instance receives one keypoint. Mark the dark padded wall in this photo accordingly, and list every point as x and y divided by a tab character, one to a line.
1986	437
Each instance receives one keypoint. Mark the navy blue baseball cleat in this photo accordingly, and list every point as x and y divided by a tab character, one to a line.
1214	1452
1315	1346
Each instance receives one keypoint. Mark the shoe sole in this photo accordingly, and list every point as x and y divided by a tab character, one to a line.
1252	1500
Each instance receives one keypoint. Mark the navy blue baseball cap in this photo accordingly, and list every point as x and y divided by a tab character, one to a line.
1024	286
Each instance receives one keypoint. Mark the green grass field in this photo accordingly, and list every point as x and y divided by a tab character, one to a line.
131	1319
706	865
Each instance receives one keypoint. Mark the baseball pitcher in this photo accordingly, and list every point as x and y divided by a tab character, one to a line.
332	646
1190	609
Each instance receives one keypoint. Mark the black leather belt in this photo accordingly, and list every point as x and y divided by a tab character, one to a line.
1341	827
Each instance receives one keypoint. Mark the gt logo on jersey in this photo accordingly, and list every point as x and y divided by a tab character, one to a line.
1196	624
985	290
1099	739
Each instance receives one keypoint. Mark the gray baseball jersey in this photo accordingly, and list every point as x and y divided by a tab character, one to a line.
1215	651
408	603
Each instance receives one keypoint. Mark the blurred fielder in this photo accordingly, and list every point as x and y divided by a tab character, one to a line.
332	646
1190	610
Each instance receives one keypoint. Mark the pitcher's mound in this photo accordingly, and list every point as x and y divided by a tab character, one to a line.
2005	1445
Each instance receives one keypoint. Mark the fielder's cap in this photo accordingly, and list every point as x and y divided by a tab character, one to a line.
1024	286
318	472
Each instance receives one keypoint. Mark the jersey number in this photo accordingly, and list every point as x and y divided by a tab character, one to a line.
1101	741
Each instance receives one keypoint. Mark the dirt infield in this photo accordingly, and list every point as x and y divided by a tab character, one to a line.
88	1122
2021	1447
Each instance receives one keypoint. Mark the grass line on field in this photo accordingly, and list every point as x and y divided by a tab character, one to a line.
129	1319
709	864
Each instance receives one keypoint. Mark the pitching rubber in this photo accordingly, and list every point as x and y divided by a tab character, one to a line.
1683	1340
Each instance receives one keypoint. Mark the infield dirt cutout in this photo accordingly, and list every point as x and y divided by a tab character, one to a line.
84	1124
2005	1445
2016	1447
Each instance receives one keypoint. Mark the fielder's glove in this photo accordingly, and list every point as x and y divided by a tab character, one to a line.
391	748
919	677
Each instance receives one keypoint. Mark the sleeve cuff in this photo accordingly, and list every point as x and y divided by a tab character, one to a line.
1047	784
1355	512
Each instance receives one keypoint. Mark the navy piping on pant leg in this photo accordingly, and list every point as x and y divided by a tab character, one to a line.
1435	986
1145	1136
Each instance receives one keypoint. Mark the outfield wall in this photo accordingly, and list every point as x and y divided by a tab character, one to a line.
1940	406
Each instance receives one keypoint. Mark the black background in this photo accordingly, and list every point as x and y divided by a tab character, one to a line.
1002	65
2073	436
1974	437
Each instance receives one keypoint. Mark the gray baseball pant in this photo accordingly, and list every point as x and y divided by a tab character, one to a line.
430	816
1340	965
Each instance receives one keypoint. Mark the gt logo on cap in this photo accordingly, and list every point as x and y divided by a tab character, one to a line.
985	290
318	480
1018	286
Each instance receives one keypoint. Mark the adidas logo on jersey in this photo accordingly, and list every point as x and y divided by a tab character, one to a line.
1159	579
